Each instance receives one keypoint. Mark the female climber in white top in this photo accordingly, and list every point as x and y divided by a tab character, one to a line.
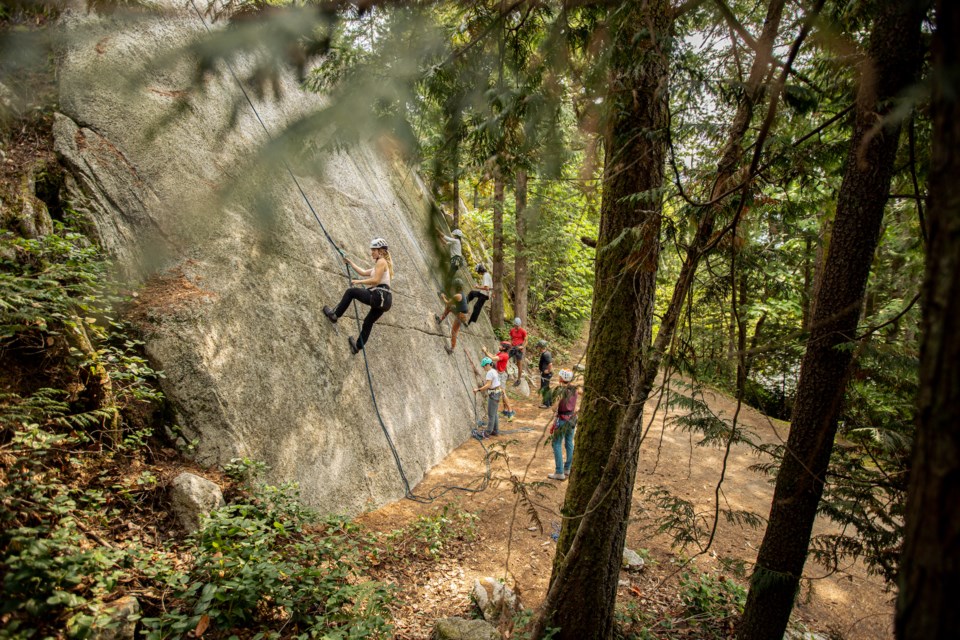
378	297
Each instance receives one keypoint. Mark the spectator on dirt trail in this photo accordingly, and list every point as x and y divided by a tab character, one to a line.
494	391
518	340
564	425
481	294
500	360
455	247
378	297
545	365
456	303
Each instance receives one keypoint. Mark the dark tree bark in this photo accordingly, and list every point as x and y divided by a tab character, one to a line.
930	567
496	298
623	365
620	330
889	68
521	282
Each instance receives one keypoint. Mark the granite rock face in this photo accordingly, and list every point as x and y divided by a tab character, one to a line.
233	291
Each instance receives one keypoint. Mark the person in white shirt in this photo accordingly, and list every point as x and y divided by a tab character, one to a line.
455	247
481	294
492	386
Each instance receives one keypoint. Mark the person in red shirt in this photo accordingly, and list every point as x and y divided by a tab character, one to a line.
518	340
500	361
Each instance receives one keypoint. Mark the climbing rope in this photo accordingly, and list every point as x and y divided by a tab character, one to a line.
408	492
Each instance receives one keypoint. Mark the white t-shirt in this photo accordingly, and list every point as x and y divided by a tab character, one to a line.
453	244
488	280
493	378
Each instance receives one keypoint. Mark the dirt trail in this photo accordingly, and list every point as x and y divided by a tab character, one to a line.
851	605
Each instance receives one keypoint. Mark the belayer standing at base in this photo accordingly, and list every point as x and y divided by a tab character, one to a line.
378	297
518	340
492	386
546	372
500	364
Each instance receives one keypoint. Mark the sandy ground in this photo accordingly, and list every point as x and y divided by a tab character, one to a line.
849	605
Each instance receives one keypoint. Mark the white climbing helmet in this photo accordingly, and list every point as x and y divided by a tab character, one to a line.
566	375
378	243
458	233
516	322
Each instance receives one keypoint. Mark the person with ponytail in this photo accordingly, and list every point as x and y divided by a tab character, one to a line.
378	296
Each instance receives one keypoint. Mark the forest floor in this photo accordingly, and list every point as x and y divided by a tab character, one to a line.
847	605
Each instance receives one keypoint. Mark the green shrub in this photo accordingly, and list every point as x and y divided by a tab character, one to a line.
269	563
429	535
55	570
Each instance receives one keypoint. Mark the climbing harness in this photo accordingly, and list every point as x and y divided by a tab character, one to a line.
408	492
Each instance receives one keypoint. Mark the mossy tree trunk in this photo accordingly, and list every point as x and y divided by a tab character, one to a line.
585	581
622	369
888	70
930	566
496	298
521	282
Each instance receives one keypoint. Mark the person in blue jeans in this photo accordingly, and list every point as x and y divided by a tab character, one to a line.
564	426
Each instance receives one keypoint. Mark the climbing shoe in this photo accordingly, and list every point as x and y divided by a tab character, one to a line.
437	318
331	316
448	348
353	345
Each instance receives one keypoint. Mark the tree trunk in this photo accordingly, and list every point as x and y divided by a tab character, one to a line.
891	65
98	381
740	318
589	550
521	282
930	567
496	298
621	321
455	170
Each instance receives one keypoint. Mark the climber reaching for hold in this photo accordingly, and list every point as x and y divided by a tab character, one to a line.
454	244
457	304
378	297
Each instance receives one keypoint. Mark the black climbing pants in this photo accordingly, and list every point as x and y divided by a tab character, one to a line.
379	299
481	298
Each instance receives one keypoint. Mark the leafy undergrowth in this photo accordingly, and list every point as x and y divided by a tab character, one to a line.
84	519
